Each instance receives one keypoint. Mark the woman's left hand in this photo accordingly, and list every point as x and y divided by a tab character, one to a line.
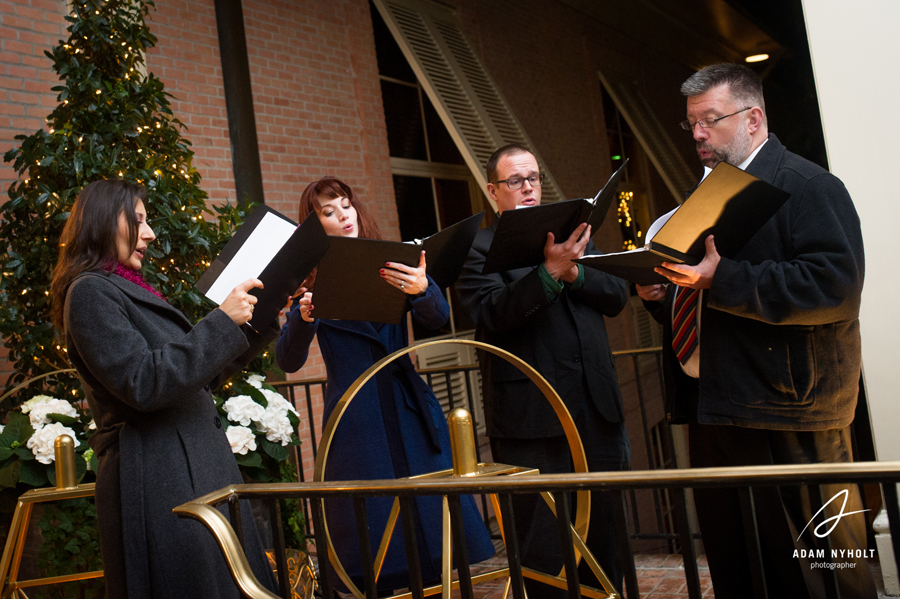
408	279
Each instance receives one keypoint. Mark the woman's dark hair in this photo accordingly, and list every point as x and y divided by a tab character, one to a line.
88	241
333	188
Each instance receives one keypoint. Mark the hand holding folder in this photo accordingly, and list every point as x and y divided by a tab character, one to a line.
730	204
522	233
349	285
271	247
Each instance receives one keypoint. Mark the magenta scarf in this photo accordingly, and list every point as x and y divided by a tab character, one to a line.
137	278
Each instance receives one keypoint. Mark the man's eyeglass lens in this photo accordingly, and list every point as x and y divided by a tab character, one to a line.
515	183
709	123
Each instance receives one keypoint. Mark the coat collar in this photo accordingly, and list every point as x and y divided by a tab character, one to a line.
137	293
765	165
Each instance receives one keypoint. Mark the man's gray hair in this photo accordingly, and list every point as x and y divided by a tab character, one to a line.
744	84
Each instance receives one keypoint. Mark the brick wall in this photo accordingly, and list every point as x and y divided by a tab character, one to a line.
27	28
186	59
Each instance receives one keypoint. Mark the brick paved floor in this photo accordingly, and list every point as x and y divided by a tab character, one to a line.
660	576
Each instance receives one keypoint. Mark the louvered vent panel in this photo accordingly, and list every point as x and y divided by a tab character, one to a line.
466	99
489	97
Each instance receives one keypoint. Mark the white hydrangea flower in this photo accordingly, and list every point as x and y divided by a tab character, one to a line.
277	427
275	422
243	410
241	439
41	442
38	413
280	403
255	380
35	401
1	429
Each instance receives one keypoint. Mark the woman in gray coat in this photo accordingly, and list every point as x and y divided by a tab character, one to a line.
147	375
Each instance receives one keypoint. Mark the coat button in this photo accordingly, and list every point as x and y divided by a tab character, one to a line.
206	388
577	358
217	422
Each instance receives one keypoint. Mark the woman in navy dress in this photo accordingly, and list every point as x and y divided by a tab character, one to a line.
394	427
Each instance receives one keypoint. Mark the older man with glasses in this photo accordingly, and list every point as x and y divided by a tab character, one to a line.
762	356
552	316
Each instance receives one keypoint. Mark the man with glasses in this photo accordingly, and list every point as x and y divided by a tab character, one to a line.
552	316
762	355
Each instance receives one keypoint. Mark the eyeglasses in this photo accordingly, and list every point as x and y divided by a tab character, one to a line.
708	123
515	183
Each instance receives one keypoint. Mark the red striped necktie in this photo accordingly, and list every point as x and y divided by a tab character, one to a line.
684	323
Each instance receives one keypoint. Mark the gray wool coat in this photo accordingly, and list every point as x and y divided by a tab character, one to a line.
147	374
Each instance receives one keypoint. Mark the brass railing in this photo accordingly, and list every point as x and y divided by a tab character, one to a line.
645	363
67	487
887	474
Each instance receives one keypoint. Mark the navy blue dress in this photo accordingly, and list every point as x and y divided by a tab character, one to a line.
393	428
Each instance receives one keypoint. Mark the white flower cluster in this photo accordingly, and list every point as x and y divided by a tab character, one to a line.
255	380
38	410
272	421
243	410
41	443
241	439
275	422
35	401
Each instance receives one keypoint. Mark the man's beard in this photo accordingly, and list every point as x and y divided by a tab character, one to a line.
734	152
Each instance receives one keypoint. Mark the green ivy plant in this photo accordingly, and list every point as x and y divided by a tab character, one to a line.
71	544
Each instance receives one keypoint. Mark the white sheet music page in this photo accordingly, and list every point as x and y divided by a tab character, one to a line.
267	238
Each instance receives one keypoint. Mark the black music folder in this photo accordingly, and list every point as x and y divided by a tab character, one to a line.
349	285
522	233
729	203
272	248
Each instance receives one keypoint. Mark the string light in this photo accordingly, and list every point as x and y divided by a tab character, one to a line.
625	218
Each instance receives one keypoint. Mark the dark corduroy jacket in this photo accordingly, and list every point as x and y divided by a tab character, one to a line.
779	337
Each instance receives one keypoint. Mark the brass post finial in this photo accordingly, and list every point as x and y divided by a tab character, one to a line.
462	442
64	448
